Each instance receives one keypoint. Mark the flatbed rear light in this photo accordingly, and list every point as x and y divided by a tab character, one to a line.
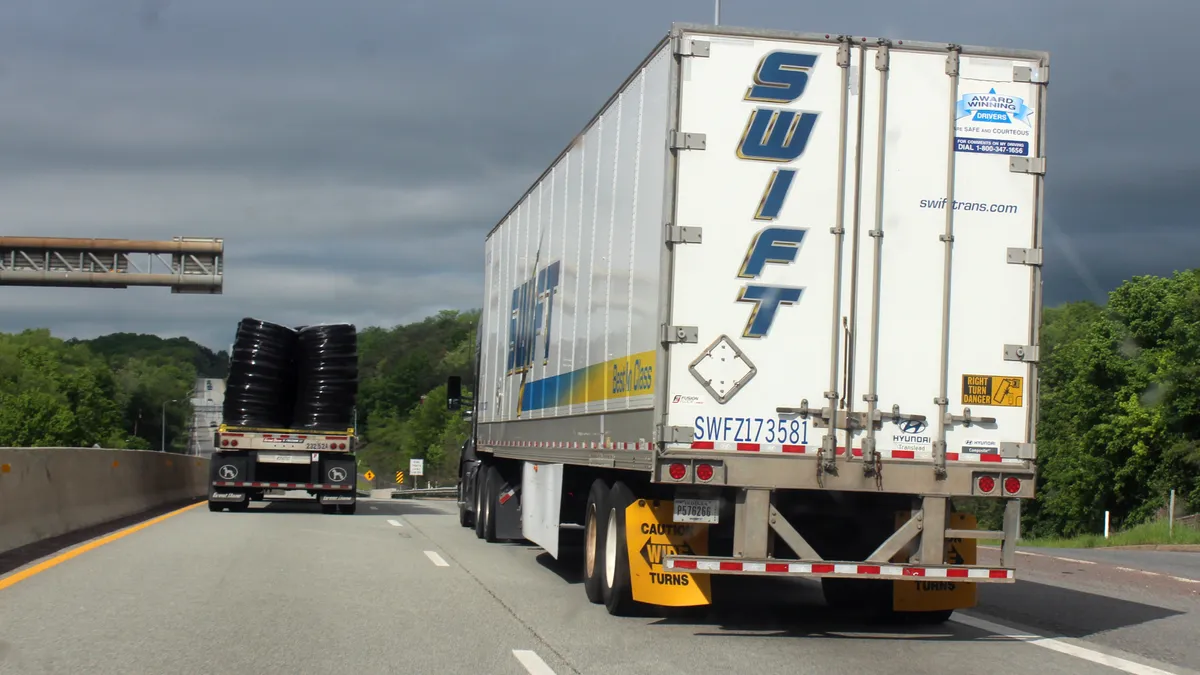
704	472
677	471
986	484
1012	485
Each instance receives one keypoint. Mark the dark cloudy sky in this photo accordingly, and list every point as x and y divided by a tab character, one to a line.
353	153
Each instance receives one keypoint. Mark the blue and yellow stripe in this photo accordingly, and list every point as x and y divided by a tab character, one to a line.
622	377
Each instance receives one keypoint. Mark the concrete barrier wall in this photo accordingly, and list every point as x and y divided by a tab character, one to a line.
46	492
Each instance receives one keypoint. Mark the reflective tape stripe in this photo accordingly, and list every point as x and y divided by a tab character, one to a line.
836	569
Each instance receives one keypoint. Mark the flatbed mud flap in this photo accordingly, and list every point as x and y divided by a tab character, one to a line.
934	595
650	535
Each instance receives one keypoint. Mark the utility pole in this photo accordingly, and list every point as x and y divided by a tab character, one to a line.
717	13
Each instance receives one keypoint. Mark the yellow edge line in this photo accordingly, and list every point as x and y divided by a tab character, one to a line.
24	574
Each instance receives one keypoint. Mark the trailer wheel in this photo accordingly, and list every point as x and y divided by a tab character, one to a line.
464	514
933	618
329	509
618	588
215	506
349	509
480	500
493	483
595	517
874	597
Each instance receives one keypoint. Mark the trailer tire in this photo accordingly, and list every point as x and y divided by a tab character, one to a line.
465	518
493	483
933	618
479	499
595	516
618	588
874	597
349	509
215	506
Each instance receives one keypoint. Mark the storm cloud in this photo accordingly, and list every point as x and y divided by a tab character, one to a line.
354	154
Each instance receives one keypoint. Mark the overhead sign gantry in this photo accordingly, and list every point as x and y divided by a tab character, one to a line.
185	264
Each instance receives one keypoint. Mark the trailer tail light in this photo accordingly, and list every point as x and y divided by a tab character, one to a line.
1012	485
704	472
225	442
233	443
986	484
677	471
341	446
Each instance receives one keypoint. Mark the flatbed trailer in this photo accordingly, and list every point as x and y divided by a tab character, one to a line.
251	462
775	311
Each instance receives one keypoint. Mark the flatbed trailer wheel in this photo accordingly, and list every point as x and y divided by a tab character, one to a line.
595	517
617	586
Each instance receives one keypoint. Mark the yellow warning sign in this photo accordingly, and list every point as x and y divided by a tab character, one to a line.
938	594
651	535
999	390
399	478
369	475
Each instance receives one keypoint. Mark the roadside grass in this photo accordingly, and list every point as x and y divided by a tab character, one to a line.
1154	532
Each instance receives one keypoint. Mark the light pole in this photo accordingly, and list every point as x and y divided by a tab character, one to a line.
163	446
717	13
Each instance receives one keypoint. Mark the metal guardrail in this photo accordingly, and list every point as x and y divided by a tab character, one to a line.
426	492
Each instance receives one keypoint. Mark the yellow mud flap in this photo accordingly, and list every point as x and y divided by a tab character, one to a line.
938	594
651	534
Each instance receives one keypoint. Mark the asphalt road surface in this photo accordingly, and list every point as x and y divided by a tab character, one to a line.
401	588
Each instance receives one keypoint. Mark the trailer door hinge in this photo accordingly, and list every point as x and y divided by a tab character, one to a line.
1039	75
680	335
1018	450
685	141
1024	353
1034	165
692	47
683	235
668	434
1024	256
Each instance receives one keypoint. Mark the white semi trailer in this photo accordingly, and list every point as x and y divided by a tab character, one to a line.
772	312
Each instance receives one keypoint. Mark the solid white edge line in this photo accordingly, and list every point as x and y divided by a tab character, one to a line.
436	559
395	523
1056	645
532	662
1081	562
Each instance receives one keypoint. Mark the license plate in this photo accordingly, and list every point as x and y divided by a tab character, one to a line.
284	458
697	510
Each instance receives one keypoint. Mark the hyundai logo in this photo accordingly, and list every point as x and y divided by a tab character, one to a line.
913	426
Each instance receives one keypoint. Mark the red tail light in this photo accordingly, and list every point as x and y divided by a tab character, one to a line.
704	472
677	471
1012	485
986	484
